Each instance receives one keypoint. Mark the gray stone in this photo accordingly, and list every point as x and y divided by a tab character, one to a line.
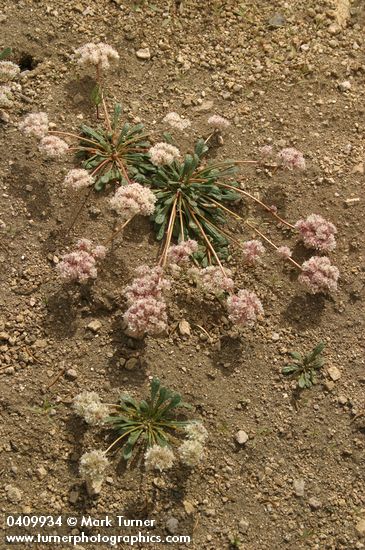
13	493
243	526
172	525
94	326
299	485
71	374
314	503
241	437
132	363
360	528
334	373
143	53
276	21
41	472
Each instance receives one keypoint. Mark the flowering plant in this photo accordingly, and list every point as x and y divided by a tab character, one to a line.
305	368
150	424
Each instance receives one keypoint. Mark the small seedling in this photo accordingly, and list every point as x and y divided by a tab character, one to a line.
305	368
235	542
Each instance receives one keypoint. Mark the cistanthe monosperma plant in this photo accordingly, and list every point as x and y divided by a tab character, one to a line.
149	428
8	73
190	201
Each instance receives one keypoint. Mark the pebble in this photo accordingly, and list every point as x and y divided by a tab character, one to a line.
143	53
205	106
334	373
314	503
243	526
299	485
13	493
71	374
131	363
241	437
94	325
41	472
344	86
184	328
172	525
276	21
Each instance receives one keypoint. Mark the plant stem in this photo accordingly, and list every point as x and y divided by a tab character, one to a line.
78	137
271	243
210	246
170	228
119	438
181	220
267	208
122	167
117	231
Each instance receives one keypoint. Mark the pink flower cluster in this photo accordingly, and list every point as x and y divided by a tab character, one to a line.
176	121
212	279
266	151
319	275
292	159
147	308
244	307
252	251
78	178
35	124
218	122
149	283
97	55
316	232
132	199
53	146
180	253
80	265
163	153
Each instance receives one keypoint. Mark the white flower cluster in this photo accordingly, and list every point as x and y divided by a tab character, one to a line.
8	71
92	469
89	407
97	55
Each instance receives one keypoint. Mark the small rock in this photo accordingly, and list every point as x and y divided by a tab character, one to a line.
342	399
94	325
131	364
358	168
206	106
71	374
241	437
74	497
243	526
10	370
344	86
41	472
275	336
189	508
329	385
314	503
143	53
13	493
172	525
276	21
298	485
4	336
360	528
184	328
334	373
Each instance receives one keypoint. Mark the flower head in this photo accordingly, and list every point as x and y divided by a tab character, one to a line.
159	458
132	199
93	466
244	307
80	265
176	121
35	124
252	251
179	253
78	178
292	159
212	279
319	275
8	71
146	315
89	407
196	432
191	452
53	146
316	232
6	97
149	284
163	153
284	252
97	55
218	122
